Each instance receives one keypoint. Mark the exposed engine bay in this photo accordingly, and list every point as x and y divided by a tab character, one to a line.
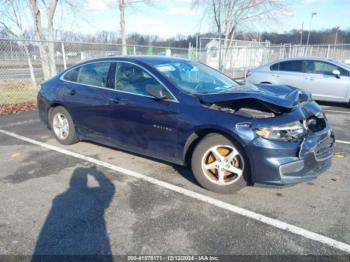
252	108
256	101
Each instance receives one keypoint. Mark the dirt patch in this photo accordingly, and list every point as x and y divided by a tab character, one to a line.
9	109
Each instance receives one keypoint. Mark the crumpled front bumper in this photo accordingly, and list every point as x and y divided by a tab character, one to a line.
282	163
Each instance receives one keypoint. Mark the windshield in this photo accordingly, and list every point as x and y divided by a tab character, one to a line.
341	63
346	65
195	78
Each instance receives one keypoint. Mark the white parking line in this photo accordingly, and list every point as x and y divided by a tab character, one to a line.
342	142
337	111
210	200
20	123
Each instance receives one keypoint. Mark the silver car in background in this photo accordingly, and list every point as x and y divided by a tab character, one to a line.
326	79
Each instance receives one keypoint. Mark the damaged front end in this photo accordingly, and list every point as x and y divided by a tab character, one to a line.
291	139
257	101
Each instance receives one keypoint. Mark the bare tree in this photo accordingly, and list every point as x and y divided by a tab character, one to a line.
229	15
12	12
122	4
39	33
51	9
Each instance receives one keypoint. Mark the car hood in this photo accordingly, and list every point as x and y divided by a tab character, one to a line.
283	96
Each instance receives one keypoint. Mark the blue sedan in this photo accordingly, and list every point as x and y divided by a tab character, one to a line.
187	113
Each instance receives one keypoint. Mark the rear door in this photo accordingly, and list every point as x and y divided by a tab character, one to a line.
289	73
323	84
87	94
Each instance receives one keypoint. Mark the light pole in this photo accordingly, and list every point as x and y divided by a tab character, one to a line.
336	35
301	33
308	36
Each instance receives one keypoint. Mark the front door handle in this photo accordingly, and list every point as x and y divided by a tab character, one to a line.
114	100
72	92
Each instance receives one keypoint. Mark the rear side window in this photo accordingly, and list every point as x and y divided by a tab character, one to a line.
94	74
291	66
275	67
72	75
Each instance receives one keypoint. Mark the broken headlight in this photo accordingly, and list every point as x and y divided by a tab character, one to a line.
289	132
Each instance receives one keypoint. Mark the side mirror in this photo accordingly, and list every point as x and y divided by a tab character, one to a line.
156	91
336	73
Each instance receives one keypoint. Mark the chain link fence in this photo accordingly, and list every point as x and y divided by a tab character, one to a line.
243	55
21	67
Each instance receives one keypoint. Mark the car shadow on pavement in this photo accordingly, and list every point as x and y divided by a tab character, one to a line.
75	224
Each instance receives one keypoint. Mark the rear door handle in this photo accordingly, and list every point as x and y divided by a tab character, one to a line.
72	92
114	100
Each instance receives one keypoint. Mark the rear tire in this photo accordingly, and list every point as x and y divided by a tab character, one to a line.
62	126
220	165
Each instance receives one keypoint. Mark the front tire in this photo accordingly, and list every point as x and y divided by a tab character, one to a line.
62	126
220	165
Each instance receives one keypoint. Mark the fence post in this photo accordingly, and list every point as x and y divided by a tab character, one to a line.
328	49
200	51
63	56
11	48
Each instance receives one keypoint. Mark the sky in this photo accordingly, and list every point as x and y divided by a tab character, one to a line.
168	18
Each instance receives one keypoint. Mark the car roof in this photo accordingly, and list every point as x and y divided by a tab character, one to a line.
316	58
148	59
305	58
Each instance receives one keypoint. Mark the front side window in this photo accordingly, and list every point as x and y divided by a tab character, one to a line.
133	79
195	78
291	66
322	68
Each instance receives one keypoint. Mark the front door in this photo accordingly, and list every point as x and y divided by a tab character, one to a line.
142	123
323	84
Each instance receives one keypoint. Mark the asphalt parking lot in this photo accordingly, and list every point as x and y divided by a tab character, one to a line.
90	199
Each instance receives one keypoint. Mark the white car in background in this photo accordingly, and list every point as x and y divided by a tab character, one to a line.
326	79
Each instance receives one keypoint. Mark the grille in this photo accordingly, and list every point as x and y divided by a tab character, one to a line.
324	148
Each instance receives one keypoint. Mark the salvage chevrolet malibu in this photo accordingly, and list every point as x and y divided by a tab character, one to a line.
187	113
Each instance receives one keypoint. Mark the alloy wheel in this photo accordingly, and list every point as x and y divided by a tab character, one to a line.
60	126
222	164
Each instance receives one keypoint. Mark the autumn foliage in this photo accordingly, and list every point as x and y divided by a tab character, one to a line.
9	109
